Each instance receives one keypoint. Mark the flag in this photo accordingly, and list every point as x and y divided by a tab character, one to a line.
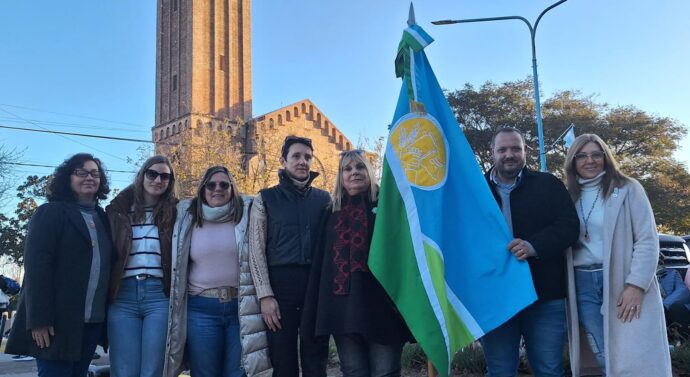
439	242
569	136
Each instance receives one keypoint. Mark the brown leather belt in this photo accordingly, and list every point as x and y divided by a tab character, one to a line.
223	294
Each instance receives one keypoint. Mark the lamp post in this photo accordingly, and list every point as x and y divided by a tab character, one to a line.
533	32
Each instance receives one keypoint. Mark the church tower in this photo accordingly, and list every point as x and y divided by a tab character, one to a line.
203	66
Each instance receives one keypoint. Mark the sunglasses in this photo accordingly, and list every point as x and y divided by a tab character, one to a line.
211	185
152	175
81	173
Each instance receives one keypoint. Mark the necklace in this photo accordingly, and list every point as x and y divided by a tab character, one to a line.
586	219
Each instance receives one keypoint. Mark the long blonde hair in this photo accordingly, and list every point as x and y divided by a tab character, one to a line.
613	177
339	191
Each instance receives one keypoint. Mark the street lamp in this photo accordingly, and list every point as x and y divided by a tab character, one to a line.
533	32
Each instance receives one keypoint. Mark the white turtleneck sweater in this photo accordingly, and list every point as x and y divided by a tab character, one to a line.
590	252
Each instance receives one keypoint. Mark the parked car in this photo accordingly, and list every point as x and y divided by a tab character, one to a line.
676	252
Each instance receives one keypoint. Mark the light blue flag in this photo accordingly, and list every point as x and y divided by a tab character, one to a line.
439	244
569	136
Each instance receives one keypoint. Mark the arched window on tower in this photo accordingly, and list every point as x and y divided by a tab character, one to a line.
304	108
294	110
318	120
280	119
270	123
311	112
287	115
167	132
174	129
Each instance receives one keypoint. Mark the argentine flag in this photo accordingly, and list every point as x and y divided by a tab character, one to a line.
439	243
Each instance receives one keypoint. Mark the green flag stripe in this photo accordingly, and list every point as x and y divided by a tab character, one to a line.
459	334
420	40
467	319
412	298
405	190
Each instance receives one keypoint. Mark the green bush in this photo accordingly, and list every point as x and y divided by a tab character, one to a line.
470	360
680	358
413	357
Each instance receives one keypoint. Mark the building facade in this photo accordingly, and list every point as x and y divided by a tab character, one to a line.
203	79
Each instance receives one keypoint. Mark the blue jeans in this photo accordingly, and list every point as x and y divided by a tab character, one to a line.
543	327
57	368
137	327
362	358
213	337
589	288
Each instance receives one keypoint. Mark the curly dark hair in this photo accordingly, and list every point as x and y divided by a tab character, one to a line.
59	188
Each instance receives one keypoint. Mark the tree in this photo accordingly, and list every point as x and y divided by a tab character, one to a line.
206	147
7	158
643	143
13	230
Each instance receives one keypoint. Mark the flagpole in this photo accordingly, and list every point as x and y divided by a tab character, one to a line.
535	77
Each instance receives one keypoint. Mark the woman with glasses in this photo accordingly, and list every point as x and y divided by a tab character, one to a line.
214	311
141	218
67	262
612	274
344	299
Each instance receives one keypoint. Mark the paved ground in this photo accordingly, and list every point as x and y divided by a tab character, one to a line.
12	368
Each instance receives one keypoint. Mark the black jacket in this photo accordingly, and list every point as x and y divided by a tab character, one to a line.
57	262
543	214
292	221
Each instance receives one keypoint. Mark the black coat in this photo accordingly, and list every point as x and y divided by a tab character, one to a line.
543	214
57	264
366	309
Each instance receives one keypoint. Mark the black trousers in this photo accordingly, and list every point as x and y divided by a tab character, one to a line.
289	284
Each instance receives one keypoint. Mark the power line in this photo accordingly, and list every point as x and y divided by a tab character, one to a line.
72	115
53	167
64	137
78	134
75	125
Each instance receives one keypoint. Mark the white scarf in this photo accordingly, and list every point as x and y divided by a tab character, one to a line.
220	214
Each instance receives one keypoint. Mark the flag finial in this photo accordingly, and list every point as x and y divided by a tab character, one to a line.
410	20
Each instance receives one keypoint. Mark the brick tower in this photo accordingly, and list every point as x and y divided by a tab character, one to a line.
203	66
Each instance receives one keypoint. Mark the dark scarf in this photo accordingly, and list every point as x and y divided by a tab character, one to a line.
351	244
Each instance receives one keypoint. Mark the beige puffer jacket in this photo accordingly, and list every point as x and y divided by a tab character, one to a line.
255	359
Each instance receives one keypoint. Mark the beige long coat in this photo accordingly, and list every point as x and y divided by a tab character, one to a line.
631	252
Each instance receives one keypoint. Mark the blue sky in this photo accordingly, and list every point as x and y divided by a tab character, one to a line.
89	66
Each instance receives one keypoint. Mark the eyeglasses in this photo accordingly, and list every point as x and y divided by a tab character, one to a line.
152	175
596	156
211	185
81	173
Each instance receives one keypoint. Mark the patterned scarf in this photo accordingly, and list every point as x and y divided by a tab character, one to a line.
351	244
